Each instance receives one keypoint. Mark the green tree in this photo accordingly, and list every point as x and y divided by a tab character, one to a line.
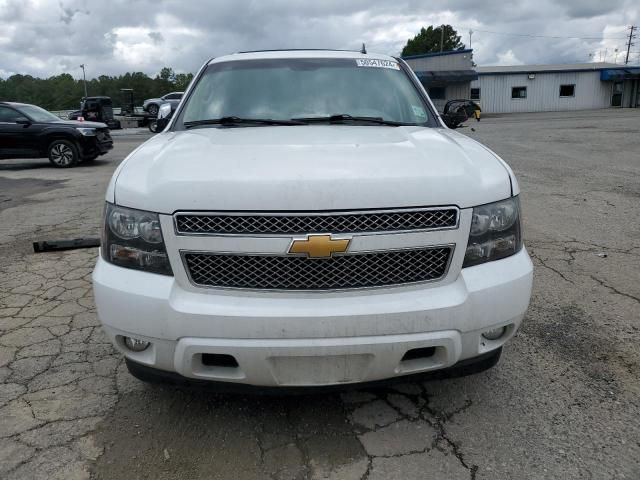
63	92
428	40
183	80
165	80
167	74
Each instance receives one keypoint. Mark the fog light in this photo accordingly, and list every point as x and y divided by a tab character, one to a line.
136	345
494	334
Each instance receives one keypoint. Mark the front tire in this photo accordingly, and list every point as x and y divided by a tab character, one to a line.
63	154
153	109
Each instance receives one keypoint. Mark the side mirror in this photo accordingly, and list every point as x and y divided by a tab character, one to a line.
453	120
164	111
164	115
23	121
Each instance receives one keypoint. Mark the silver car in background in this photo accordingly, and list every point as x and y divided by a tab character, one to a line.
152	105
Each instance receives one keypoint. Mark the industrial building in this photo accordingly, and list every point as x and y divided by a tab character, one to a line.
526	88
548	88
445	75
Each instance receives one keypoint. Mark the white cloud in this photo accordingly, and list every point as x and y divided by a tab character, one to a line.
508	58
46	37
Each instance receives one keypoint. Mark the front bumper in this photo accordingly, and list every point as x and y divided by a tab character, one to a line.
92	145
312	339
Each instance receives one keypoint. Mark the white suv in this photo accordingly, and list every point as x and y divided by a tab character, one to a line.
306	219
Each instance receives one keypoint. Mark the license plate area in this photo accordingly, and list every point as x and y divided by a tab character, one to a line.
319	370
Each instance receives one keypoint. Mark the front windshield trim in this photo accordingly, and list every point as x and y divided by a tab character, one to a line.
177	123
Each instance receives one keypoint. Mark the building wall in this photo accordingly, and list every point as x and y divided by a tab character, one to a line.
543	92
630	96
453	91
449	61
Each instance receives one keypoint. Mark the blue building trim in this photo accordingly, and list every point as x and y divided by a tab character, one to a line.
447	76
535	72
630	73
437	54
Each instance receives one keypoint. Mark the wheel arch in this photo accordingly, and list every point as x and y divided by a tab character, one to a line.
50	136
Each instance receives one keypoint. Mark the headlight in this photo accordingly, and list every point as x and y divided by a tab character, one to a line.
495	232
87	132
133	239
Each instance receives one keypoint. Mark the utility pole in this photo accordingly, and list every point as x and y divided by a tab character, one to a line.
441	37
629	43
470	33
84	77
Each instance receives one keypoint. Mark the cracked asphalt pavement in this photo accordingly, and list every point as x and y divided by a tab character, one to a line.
562	403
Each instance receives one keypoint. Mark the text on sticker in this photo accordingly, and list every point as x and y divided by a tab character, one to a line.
377	63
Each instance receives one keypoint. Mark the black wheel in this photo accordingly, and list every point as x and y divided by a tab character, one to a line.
153	109
153	126
63	154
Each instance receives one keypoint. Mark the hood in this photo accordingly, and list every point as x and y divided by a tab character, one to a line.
313	167
75	123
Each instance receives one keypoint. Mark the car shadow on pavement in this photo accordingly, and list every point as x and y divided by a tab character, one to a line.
181	432
17	191
24	165
164	431
43	164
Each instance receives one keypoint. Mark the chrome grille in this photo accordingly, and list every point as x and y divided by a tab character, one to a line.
291	224
271	272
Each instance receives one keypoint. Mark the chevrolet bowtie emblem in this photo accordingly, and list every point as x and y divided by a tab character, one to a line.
319	246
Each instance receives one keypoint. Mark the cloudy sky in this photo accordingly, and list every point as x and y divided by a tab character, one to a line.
47	37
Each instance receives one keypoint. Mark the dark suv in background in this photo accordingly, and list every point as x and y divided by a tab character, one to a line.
28	131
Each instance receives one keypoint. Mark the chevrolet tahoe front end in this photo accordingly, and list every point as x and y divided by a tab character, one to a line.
277	236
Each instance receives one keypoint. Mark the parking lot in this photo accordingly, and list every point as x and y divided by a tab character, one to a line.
562	403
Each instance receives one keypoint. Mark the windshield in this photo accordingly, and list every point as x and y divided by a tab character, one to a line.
38	114
285	89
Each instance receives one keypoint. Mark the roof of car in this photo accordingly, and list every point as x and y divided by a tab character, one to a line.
299	54
13	104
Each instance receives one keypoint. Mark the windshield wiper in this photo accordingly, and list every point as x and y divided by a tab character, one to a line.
231	121
344	117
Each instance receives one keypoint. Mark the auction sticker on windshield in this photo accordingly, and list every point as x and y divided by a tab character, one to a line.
377	63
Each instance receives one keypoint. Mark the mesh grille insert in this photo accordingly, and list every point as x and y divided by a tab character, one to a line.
310	223
268	272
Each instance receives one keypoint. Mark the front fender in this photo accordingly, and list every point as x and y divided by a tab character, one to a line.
56	133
